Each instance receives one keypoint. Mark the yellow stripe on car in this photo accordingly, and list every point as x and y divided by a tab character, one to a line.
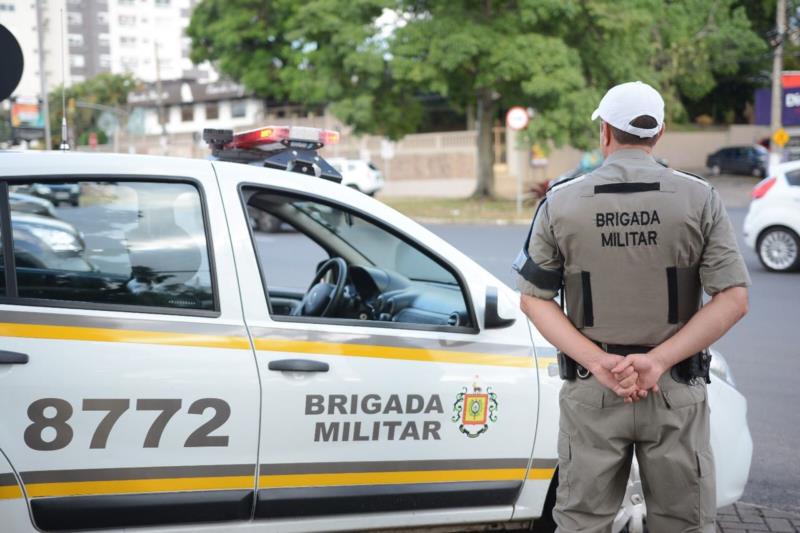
266	344
123	335
10	492
389	478
128	486
392	352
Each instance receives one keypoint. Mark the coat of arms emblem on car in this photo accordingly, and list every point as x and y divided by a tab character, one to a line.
474	411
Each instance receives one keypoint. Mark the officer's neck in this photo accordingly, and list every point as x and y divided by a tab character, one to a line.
612	147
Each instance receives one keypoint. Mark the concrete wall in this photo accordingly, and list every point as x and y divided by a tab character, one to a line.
453	155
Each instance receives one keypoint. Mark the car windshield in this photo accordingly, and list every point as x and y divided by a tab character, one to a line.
378	246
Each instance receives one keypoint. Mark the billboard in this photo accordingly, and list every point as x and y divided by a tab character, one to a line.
790	96
27	119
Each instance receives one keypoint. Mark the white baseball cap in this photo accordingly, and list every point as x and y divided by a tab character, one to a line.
625	102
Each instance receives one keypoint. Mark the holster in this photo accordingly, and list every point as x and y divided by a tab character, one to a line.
697	366
567	367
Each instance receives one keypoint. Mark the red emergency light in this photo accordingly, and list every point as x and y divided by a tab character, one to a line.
288	135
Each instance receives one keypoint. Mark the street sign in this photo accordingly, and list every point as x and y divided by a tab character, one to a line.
517	118
780	137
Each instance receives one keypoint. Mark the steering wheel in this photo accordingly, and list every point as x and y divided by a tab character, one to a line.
323	298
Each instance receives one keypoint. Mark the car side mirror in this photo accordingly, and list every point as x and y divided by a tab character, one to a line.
492	317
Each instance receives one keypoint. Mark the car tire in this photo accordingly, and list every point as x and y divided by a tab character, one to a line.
74	203
714	170
757	172
778	249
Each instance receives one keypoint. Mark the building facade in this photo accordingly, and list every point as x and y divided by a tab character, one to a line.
146	38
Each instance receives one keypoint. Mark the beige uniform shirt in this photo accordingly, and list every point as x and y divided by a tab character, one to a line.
633	242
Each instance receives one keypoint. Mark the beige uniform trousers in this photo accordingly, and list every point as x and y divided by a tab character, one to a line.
668	431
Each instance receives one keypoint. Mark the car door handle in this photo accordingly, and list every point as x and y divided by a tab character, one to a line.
298	365
13	358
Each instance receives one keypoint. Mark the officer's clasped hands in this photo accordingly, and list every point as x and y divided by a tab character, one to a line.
646	368
623	383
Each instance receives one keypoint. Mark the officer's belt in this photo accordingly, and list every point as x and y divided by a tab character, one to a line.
623	349
618	349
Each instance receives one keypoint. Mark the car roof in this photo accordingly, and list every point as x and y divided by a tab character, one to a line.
34	162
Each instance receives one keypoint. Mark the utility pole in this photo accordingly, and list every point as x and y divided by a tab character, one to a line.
159	101
43	75
777	68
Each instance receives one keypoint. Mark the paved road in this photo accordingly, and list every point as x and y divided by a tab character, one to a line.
763	350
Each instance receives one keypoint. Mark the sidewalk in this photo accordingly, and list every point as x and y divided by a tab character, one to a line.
747	518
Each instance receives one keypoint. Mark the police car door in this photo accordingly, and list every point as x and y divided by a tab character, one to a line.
128	390
399	406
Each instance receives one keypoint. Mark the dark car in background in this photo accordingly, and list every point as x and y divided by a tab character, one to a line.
67	193
751	160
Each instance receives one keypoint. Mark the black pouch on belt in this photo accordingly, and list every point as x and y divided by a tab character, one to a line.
697	366
567	367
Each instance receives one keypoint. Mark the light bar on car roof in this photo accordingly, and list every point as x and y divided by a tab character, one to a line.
288	135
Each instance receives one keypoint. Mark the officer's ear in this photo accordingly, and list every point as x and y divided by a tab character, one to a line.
605	134
660	133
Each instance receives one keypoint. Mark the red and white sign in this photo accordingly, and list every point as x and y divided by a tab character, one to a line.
517	118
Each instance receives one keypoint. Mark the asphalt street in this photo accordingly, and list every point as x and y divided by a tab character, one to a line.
763	351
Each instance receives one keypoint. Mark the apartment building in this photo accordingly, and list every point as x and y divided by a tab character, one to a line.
146	38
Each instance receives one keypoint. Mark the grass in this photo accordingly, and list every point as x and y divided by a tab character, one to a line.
461	210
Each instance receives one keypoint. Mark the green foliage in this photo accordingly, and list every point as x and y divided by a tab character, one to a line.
104	89
556	56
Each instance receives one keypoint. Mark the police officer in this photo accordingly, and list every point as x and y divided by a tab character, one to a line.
632	243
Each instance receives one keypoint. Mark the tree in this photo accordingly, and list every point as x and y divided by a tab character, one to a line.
372	59
104	89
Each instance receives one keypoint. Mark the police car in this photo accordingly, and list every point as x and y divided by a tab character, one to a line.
182	381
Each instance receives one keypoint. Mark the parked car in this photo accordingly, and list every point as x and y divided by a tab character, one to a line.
772	224
68	193
180	383
26	203
751	160
359	174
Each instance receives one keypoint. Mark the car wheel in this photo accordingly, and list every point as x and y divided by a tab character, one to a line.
757	172
74	203
714	170
779	249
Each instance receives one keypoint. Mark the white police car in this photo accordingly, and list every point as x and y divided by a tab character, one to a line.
184	382
772	224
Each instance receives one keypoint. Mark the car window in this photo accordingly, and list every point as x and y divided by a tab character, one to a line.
390	279
793	178
114	242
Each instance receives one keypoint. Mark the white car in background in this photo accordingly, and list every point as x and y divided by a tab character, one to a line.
772	224
358	174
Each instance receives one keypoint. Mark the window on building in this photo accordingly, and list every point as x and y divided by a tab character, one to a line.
212	111
127	20
74	19
127	41
75	39
130	63
77	61
238	109
104	61
7	7
104	40
138	244
162	3
187	113
102	18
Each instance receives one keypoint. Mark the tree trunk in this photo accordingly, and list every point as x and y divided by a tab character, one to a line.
486	113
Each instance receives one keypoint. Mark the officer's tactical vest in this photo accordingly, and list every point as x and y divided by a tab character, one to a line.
631	236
